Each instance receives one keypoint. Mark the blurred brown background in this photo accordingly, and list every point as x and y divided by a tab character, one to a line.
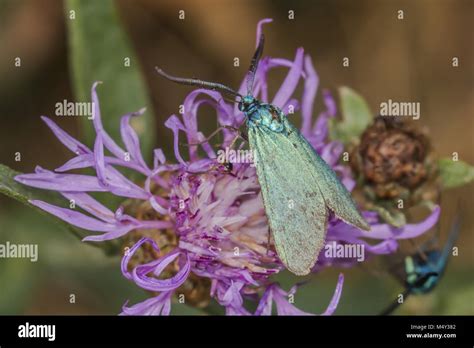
406	60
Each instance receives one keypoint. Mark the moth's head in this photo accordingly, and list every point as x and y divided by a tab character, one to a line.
246	103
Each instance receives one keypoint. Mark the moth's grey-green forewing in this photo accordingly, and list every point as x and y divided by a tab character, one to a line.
298	187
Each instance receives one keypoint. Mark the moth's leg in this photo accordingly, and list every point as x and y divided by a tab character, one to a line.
242	136
213	134
225	167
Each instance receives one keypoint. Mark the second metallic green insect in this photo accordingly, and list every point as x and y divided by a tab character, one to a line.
298	187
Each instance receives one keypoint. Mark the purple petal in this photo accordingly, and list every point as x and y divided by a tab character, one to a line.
87	160
292	102
385	231
167	306
206	146
158	158
291	81
232	296
153	284
154	203
131	140
78	162
278	62
336	297
122	186
330	103
61	182
68	141
201	166
129	254
261	85
139	273
175	125
119	185
229	310
80	220
99	160
191	107
109	143
345	176
310	89
125	225
91	205
331	152
387	246
259	28
190	117
113	228
284	307
158	305
320	129
229	296
265	304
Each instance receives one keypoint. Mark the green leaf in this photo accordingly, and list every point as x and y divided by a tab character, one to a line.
356	116
455	173
393	217
98	48
22	193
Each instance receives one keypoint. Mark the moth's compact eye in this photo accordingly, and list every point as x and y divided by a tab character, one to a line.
241	106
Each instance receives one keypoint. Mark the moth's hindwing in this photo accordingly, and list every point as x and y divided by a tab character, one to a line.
336	196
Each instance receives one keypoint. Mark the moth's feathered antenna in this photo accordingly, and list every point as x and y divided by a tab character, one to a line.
199	83
254	64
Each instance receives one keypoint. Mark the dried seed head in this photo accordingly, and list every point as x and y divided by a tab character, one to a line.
392	157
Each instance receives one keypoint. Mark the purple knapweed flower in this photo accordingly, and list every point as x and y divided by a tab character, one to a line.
192	227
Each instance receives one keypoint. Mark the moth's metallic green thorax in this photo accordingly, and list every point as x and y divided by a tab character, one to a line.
261	114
